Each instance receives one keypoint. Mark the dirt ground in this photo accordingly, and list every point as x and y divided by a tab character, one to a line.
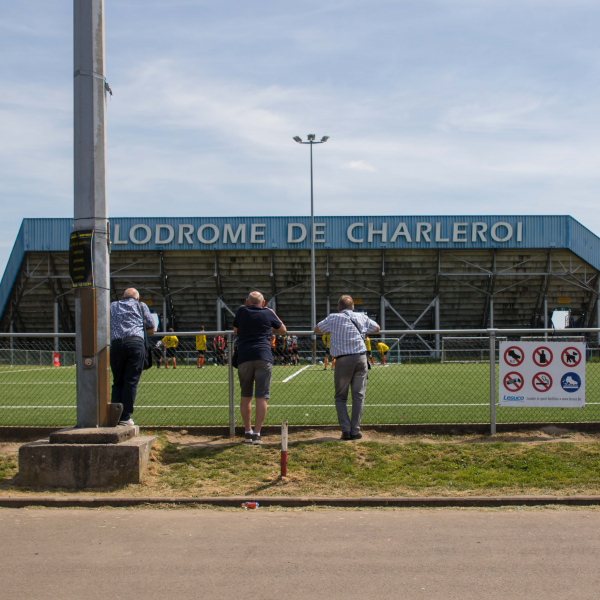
550	434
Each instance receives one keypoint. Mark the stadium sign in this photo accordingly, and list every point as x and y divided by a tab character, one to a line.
329	232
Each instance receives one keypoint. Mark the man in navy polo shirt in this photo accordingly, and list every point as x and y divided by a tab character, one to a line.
253	325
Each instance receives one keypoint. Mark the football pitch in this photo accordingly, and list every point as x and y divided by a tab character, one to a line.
428	392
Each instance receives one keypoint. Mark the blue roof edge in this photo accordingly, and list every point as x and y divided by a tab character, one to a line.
12	267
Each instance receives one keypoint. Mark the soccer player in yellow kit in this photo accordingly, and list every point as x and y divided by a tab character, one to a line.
170	343
369	355
326	341
382	349
201	349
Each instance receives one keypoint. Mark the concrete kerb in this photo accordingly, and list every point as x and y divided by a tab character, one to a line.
73	501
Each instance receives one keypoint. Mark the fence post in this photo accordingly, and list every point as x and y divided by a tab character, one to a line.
492	335
12	351
231	384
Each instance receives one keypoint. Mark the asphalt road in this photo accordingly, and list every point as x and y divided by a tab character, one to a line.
185	554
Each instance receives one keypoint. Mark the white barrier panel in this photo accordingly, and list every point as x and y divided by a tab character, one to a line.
542	374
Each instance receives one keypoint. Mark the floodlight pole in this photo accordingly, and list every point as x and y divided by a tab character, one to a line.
313	294
90	212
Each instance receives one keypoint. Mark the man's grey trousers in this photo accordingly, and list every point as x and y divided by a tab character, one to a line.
350	372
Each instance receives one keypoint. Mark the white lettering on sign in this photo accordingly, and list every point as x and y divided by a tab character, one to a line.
257	233
382	232
479	230
186	230
350	233
134	229
116	239
319	233
420	232
438	234
496	237
401	230
157	234
459	232
290	237
201	230
425	230
240	233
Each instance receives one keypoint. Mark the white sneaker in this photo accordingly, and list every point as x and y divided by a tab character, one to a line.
127	423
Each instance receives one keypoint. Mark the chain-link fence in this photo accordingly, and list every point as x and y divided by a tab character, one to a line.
416	377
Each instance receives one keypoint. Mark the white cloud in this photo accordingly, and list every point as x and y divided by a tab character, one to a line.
358	165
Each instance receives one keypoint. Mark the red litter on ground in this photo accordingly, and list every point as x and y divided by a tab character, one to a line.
250	505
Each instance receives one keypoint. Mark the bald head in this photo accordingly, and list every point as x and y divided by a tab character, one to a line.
131	293
255	298
345	303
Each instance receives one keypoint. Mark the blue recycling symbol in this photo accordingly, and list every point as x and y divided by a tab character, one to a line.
570	382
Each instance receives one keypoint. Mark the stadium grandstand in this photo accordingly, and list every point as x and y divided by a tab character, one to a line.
406	272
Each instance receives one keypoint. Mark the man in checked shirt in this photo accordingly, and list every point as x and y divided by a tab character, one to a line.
347	346
128	319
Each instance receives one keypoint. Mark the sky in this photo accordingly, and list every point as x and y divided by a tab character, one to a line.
433	107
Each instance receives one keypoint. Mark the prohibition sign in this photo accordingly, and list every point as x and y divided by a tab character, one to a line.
542	382
513	381
570	357
514	356
542	356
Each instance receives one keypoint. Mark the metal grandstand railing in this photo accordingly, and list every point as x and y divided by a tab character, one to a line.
429	377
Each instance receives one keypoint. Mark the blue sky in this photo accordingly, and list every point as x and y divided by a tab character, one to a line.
433	107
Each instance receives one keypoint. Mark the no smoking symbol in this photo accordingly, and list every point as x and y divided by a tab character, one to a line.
542	356
513	382
514	356
542	382
570	357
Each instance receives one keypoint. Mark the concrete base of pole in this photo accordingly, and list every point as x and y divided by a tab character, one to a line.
86	458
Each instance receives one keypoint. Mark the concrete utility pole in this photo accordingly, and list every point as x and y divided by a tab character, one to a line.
92	304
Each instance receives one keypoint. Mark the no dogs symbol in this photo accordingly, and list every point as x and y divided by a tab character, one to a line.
542	356
542	382
513	382
514	356
570	357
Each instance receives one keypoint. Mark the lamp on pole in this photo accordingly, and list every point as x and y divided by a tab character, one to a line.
313	301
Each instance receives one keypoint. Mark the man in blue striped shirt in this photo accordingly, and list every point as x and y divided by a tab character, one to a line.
347	330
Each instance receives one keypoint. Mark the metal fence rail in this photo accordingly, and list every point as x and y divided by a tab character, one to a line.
429	376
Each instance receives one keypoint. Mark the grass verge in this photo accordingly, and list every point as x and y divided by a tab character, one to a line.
368	468
380	469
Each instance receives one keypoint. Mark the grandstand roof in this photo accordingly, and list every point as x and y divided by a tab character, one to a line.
362	248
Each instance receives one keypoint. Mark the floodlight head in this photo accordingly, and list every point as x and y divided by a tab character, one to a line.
298	139
324	138
311	137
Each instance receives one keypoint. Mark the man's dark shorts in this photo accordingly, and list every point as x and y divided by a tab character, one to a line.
255	374
171	352
201	352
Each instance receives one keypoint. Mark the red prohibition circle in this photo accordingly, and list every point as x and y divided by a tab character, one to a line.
507	355
537	381
513	378
567	354
548	359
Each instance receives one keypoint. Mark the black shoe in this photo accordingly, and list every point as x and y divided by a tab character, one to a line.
356	436
346	436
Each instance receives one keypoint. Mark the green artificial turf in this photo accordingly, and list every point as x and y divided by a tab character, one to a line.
406	393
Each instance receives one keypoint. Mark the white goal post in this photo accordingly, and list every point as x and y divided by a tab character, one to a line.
467	349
